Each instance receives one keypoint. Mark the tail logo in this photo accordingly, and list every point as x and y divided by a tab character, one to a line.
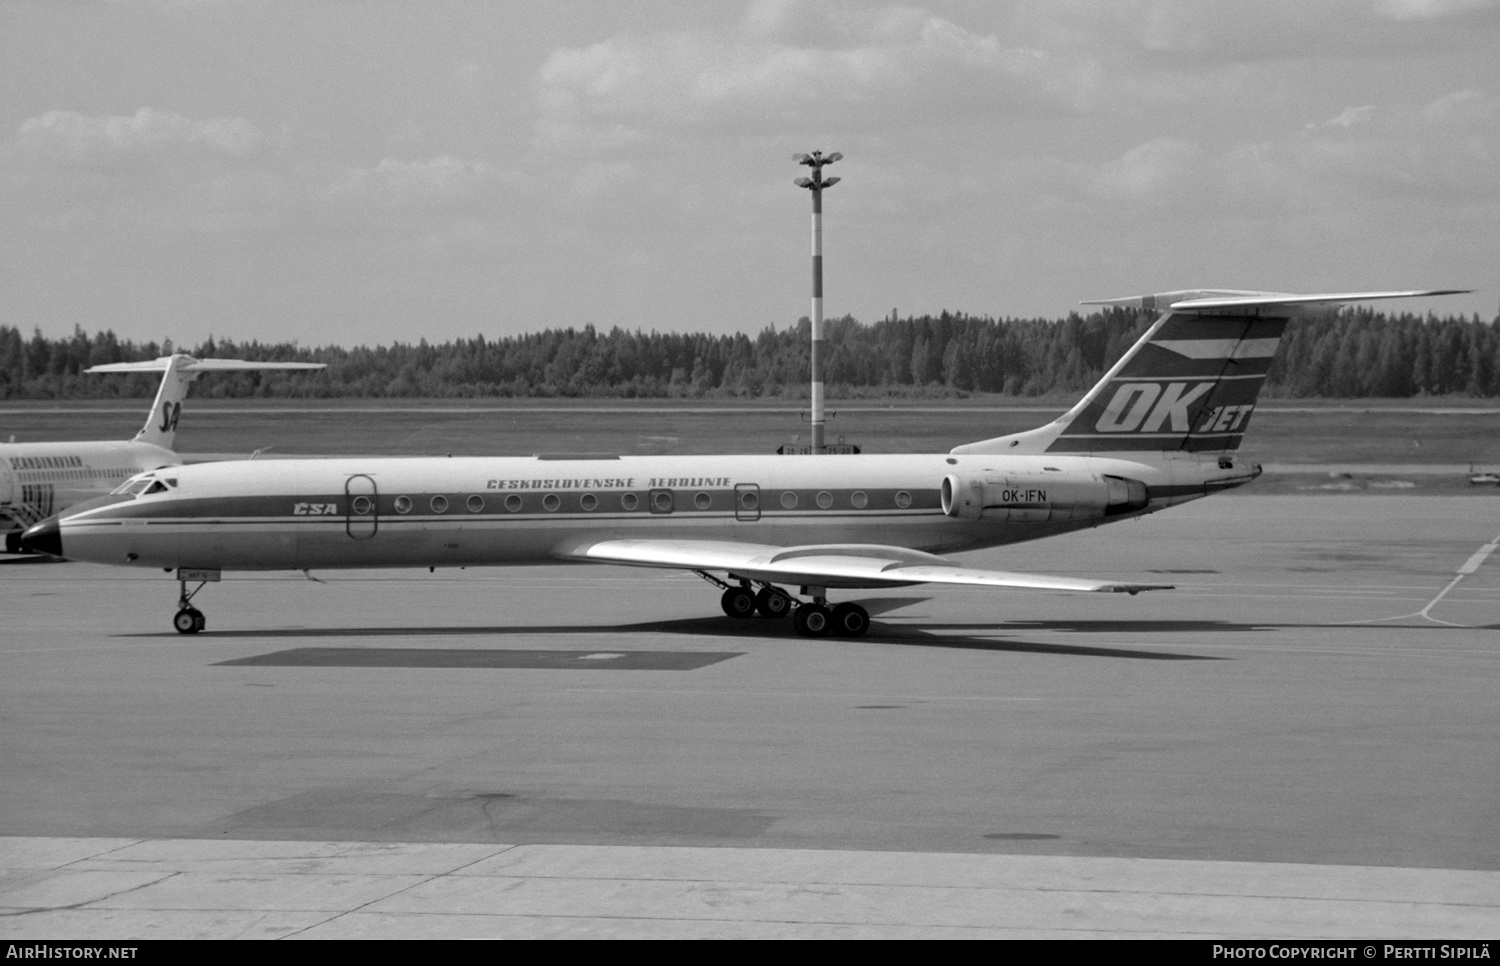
1225	419
169	415
1147	407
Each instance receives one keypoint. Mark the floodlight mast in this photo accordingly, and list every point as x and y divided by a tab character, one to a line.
817	160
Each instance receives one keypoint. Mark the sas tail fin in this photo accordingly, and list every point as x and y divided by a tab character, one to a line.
178	372
1190	383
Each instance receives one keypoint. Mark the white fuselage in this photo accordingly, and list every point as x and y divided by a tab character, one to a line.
435	512
40	479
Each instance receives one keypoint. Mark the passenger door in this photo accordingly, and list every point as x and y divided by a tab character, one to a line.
361	514
747	501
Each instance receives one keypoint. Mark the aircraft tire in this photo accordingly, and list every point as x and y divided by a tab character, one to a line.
188	621
773	604
811	620
850	620
738	602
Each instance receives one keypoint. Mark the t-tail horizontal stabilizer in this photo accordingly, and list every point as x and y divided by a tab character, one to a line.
179	371
1190	383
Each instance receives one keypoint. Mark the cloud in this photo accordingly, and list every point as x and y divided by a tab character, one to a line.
1161	171
1459	105
1178	35
1350	117
78	138
1429	9
1443	152
437	182
787	64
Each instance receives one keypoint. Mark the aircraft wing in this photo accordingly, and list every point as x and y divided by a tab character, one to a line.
828	565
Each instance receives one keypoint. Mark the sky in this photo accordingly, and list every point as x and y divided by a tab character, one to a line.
346	172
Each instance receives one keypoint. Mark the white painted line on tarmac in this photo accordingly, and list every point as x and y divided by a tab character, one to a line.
1468	567
1472	564
859	695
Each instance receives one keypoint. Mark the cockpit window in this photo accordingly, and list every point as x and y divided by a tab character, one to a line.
157	486
136	485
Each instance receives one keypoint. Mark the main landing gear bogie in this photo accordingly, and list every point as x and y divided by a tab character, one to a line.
741	601
843	620
812	619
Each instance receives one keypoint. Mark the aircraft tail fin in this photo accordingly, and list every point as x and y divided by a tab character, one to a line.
1190	383
178	372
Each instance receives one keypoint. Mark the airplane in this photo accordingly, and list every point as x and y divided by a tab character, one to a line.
1160	428
40	479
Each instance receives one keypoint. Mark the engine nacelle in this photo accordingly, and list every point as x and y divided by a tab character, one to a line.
1041	497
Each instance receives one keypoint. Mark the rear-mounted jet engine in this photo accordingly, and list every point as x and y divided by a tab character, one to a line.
1040	498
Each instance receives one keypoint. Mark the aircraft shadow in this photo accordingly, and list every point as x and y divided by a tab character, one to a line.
911	635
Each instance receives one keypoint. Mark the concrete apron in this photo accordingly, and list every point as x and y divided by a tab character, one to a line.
103	888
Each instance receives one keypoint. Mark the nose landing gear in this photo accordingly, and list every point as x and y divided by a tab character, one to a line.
189	619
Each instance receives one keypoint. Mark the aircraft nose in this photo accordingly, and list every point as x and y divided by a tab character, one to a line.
45	537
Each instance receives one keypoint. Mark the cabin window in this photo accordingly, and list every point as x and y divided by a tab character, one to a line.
551	502
825	500
439	504
629	501
362	506
513	503
589	502
789	500
476	503
749	500
702	501
903	499
403	504
859	499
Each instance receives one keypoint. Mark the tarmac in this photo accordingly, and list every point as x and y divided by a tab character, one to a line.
1296	742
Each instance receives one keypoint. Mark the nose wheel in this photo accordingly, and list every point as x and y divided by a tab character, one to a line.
189	620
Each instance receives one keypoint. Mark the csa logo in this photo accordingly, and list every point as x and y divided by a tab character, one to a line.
315	509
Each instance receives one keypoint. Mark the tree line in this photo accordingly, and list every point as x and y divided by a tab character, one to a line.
1362	353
